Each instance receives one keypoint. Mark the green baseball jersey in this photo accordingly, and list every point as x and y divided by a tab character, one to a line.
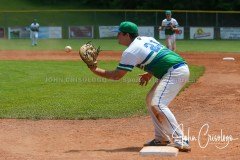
148	54
161	63
166	23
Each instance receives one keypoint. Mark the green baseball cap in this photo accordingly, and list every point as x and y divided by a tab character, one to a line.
128	27
168	12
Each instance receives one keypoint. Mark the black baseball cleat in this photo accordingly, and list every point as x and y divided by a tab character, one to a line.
155	142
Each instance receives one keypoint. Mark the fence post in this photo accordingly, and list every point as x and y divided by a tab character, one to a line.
186	29
216	19
156	24
217	29
156	19
125	14
95	28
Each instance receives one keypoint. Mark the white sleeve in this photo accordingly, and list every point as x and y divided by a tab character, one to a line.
127	62
175	23
163	23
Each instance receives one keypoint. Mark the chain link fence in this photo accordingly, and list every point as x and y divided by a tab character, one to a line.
65	18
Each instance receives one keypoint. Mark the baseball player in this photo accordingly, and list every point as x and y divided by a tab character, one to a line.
34	28
170	26
168	67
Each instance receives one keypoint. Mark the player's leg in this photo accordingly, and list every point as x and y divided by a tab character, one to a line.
32	38
161	98
36	38
168	42
160	135
165	92
174	47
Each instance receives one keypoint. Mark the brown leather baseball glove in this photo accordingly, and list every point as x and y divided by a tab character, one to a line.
89	54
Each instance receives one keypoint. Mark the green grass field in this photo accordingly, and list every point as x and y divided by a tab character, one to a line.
112	44
68	90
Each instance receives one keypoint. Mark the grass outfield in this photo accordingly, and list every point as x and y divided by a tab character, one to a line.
68	90
112	44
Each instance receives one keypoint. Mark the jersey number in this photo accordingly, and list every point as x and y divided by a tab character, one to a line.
154	46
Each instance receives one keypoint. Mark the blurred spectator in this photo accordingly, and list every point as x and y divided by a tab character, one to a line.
169	25
34	27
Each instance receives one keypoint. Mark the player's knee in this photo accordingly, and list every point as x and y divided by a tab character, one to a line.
148	99
158	106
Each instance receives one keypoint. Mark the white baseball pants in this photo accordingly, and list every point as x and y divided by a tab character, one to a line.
171	42
158	99
34	37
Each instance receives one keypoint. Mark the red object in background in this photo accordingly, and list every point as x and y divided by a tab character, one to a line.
178	31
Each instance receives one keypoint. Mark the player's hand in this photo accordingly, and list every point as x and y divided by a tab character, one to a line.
172	27
144	78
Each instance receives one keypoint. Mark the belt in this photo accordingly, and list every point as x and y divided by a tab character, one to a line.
179	65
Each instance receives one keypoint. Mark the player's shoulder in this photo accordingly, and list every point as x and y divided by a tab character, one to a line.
141	40
175	22
173	19
134	46
164	20
146	38
138	43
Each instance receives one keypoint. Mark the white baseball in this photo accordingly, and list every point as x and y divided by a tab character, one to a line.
68	49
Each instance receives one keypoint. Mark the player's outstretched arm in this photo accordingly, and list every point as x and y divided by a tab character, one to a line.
114	75
89	54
